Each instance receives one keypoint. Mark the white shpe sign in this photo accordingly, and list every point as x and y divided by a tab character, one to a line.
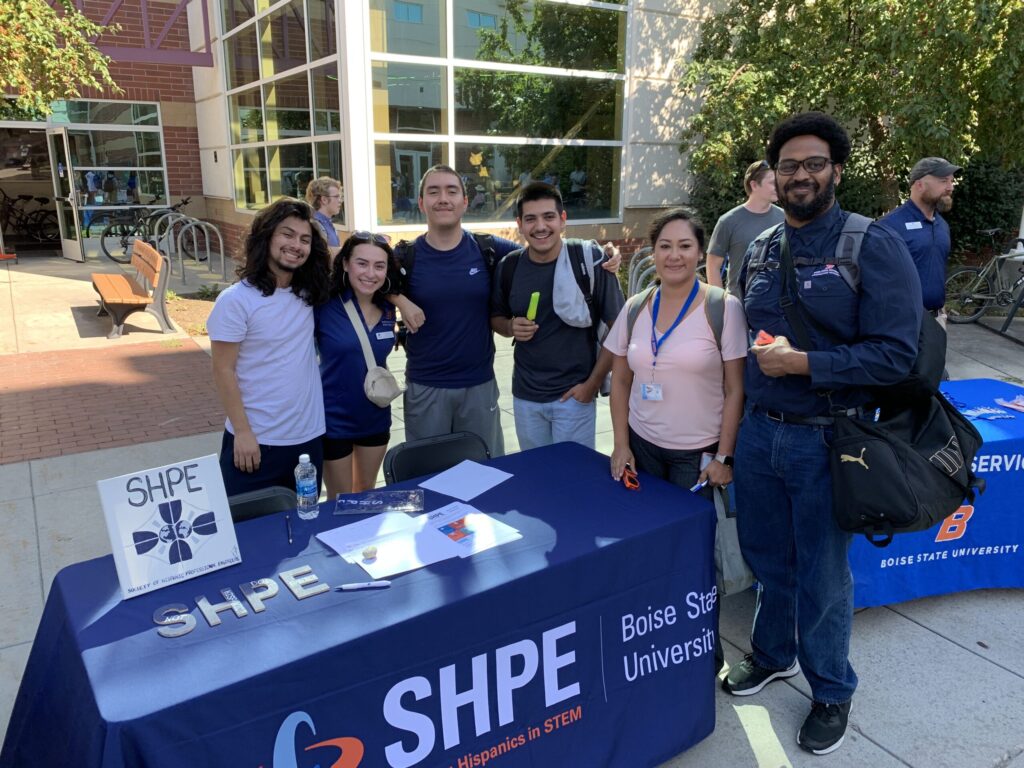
168	524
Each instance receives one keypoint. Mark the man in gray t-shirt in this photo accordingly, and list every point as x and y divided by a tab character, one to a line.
738	228
557	369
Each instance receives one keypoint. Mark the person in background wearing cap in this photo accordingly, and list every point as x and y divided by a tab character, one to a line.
919	222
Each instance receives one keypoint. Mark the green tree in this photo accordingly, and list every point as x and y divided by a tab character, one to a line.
908	80
46	54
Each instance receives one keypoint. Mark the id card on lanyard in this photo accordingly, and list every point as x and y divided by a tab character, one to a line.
652	390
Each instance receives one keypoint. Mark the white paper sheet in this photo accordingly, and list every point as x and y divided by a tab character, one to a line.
466	480
472	530
403	544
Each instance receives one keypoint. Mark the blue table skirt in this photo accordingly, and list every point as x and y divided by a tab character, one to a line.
530	654
982	545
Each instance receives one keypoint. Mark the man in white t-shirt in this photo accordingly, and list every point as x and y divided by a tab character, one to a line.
264	361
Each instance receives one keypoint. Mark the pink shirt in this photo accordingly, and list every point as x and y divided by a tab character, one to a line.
690	373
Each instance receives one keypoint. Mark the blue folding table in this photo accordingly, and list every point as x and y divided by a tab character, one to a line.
588	642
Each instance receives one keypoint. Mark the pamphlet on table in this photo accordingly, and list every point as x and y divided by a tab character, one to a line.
168	524
466	480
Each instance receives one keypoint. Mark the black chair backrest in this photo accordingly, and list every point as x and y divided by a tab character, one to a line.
432	454
263	501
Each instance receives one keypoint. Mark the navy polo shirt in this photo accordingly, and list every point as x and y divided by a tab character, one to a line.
877	328
929	245
343	369
455	347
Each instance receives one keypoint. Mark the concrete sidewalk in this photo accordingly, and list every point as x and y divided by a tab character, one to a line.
940	677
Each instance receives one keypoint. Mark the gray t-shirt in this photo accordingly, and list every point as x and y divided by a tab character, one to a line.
559	356
735	231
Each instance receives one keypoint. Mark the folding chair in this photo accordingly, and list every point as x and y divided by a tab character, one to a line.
432	454
263	501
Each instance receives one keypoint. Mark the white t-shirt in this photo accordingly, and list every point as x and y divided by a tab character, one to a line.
689	371
277	369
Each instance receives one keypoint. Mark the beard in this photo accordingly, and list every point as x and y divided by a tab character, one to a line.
944	204
818	204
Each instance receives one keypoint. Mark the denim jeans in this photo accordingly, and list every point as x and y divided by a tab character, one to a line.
797	552
540	424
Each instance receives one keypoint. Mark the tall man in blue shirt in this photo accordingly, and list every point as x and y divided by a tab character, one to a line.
450	350
919	222
858	338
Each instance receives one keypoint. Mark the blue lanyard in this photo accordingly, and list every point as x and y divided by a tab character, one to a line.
656	342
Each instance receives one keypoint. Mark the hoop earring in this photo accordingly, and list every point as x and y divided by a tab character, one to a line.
386	288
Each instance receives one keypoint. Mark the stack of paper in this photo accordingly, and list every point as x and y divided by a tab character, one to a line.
398	543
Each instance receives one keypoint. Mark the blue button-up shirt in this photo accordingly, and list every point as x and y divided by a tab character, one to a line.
876	328
929	244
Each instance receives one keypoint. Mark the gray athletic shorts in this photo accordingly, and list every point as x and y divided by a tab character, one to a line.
433	411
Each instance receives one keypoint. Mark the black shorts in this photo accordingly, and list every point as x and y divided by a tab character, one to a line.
339	447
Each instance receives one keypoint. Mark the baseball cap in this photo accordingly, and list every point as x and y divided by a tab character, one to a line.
933	166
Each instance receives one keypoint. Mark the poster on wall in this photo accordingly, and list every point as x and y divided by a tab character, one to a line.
168	524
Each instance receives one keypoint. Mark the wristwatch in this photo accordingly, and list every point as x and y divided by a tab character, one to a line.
721	458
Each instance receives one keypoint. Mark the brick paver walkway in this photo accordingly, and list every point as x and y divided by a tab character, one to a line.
56	403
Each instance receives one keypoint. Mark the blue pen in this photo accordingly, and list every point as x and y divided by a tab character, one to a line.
698	486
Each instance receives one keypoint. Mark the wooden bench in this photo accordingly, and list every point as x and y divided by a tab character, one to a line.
121	296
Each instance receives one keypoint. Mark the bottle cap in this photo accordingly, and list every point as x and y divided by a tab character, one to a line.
304	458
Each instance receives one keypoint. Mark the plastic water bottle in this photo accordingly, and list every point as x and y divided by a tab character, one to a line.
307	489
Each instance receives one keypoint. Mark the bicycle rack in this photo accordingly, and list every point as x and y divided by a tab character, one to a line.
162	235
191	228
639	269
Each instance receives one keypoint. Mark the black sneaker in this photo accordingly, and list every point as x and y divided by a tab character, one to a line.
824	729
748	678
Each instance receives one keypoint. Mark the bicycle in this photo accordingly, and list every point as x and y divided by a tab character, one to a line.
973	291
118	237
39	224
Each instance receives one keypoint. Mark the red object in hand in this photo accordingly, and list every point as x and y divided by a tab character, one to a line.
763	338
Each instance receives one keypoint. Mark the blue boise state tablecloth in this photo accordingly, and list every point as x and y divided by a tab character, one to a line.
589	642
979	546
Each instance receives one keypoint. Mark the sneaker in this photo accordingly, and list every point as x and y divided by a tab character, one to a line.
748	678
824	729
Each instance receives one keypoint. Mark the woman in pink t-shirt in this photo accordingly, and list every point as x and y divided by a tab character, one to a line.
676	399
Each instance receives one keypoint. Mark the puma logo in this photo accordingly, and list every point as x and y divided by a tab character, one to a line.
845	457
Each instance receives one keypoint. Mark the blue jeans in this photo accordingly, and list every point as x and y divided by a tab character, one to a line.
540	424
797	552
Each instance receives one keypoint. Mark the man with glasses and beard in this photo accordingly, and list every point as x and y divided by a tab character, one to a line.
919	222
857	338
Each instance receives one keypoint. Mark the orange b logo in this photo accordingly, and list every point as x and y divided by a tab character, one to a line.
955	526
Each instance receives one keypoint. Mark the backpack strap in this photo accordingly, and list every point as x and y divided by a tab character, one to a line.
635	305
714	311
848	249
405	254
583	271
758	253
506	270
485	243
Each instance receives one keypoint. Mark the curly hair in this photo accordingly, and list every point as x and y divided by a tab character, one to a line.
310	281
318	188
817	124
338	283
677	214
538	190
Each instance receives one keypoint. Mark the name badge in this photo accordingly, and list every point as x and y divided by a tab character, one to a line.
650	391
913	225
385	334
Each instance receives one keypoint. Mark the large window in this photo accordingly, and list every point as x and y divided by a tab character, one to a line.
528	90
282	79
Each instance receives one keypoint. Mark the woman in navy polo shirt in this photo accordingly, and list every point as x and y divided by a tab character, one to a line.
357	430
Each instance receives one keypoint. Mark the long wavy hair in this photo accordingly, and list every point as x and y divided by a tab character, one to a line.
338	282
310	282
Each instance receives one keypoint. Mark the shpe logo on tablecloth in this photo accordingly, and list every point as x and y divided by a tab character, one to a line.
286	749
169	536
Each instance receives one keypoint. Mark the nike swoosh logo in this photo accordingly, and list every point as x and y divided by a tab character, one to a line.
474	270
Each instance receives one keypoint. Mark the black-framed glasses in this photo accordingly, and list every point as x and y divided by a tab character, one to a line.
814	164
363	236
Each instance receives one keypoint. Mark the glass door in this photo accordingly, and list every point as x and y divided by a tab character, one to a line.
65	194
